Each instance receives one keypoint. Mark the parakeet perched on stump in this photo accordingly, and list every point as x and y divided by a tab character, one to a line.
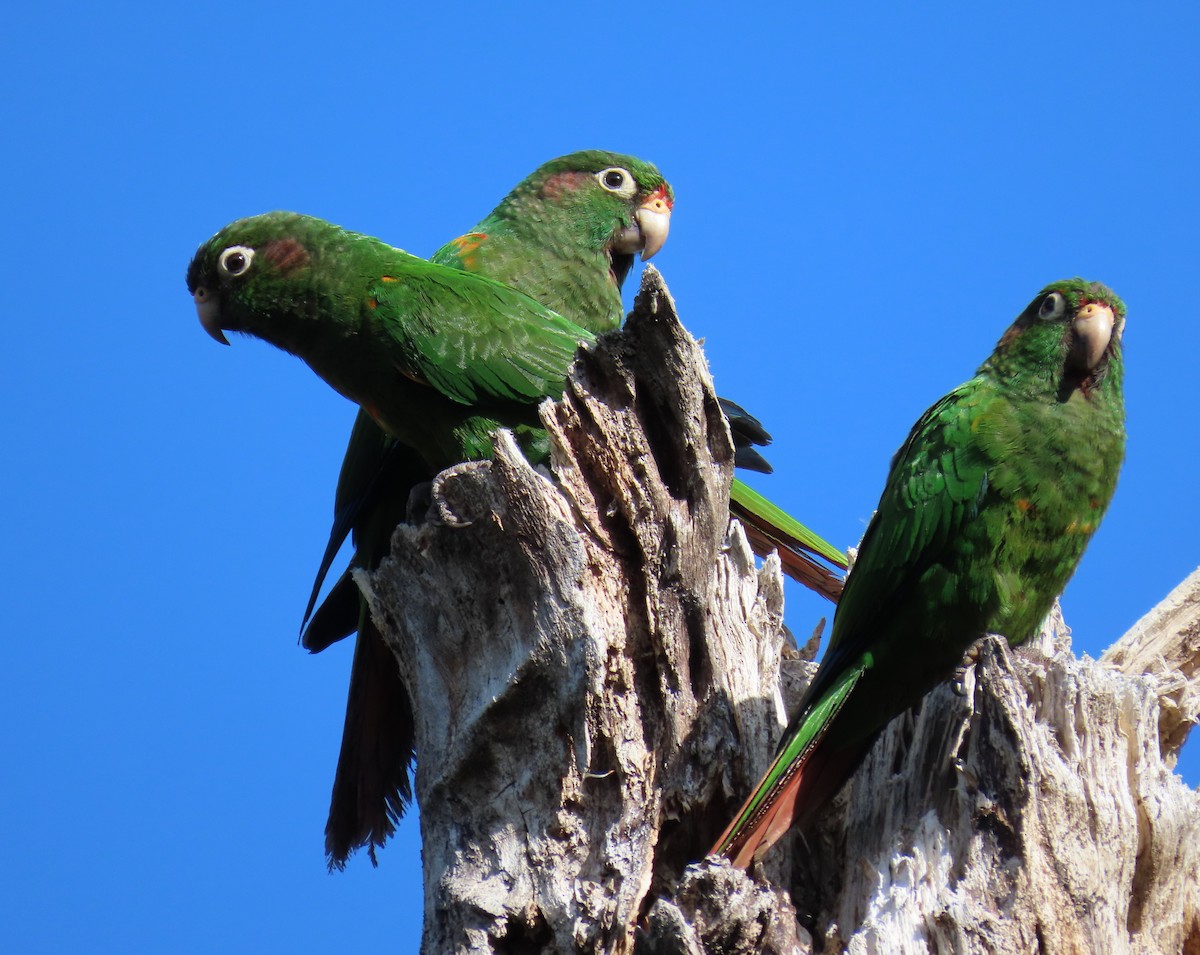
566	235
985	514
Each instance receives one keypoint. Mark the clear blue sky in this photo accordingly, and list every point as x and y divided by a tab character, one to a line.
865	198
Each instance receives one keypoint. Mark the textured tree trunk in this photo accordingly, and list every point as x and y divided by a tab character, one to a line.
595	663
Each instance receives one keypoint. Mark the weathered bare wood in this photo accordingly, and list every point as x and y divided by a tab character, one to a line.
1165	645
581	653
1034	815
595	662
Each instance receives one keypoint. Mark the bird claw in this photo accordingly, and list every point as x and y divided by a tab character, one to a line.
964	671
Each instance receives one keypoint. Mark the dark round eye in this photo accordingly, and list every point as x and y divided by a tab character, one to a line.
1053	305
618	180
236	260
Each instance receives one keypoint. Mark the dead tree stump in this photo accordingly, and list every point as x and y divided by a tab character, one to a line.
594	661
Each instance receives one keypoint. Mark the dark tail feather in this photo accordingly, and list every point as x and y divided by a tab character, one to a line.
743	424
748	459
371	788
376	473
336	618
337	537
747	431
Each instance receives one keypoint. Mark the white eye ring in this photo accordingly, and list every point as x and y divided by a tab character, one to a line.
236	260
1052	307
617	180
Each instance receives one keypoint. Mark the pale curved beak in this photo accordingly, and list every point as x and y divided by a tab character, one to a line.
1093	328
209	311
654	223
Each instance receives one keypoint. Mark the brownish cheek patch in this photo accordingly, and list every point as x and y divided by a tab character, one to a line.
563	182
387	278
1014	331
286	254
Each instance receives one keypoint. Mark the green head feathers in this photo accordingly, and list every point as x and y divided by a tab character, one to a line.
567	234
601	200
271	262
1067	339
643	177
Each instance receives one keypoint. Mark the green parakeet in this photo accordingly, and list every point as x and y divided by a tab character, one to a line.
441	357
985	514
566	235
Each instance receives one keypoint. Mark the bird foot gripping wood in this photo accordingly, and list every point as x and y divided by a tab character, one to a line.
963	682
451	500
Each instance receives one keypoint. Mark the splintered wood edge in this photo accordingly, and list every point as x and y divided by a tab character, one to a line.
1165	645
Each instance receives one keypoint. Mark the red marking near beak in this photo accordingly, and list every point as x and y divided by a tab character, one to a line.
660	193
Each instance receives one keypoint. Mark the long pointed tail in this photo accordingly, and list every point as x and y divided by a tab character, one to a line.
371	787
367	469
769	528
801	778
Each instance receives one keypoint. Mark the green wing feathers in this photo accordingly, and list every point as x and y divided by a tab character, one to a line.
474	339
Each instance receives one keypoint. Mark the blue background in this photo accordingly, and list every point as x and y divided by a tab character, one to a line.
865	199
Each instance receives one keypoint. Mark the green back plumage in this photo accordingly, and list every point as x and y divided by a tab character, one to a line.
991	500
557	237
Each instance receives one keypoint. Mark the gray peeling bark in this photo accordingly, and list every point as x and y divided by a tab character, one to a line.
595	664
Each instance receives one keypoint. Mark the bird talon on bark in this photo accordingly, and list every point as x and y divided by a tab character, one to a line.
964	671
